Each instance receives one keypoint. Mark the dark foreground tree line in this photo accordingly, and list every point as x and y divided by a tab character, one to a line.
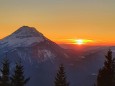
105	77
17	79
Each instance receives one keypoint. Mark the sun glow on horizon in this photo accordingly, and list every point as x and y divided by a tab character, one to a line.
79	41
82	41
89	42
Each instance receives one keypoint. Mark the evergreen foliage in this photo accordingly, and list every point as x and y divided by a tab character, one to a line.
5	79
106	76
18	78
60	79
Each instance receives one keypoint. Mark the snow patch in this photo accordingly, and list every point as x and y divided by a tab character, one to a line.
47	54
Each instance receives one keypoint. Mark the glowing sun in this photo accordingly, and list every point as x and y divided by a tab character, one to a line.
82	41
79	41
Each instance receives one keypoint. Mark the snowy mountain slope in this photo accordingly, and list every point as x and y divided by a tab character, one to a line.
24	36
32	43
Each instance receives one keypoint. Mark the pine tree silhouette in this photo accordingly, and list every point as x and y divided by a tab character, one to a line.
106	74
18	78
113	72
4	79
60	79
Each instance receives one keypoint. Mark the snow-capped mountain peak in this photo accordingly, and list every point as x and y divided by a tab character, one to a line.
26	31
29	43
24	36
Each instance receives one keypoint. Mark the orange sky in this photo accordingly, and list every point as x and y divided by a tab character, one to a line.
60	20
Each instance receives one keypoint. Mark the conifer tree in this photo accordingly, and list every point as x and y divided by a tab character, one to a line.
60	79
106	74
4	79
113	72
18	78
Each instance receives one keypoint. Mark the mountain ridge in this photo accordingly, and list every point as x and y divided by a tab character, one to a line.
33	42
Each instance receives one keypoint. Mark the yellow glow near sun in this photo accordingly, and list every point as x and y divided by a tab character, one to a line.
82	41
79	41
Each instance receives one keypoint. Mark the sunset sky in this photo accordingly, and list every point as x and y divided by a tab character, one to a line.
61	20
